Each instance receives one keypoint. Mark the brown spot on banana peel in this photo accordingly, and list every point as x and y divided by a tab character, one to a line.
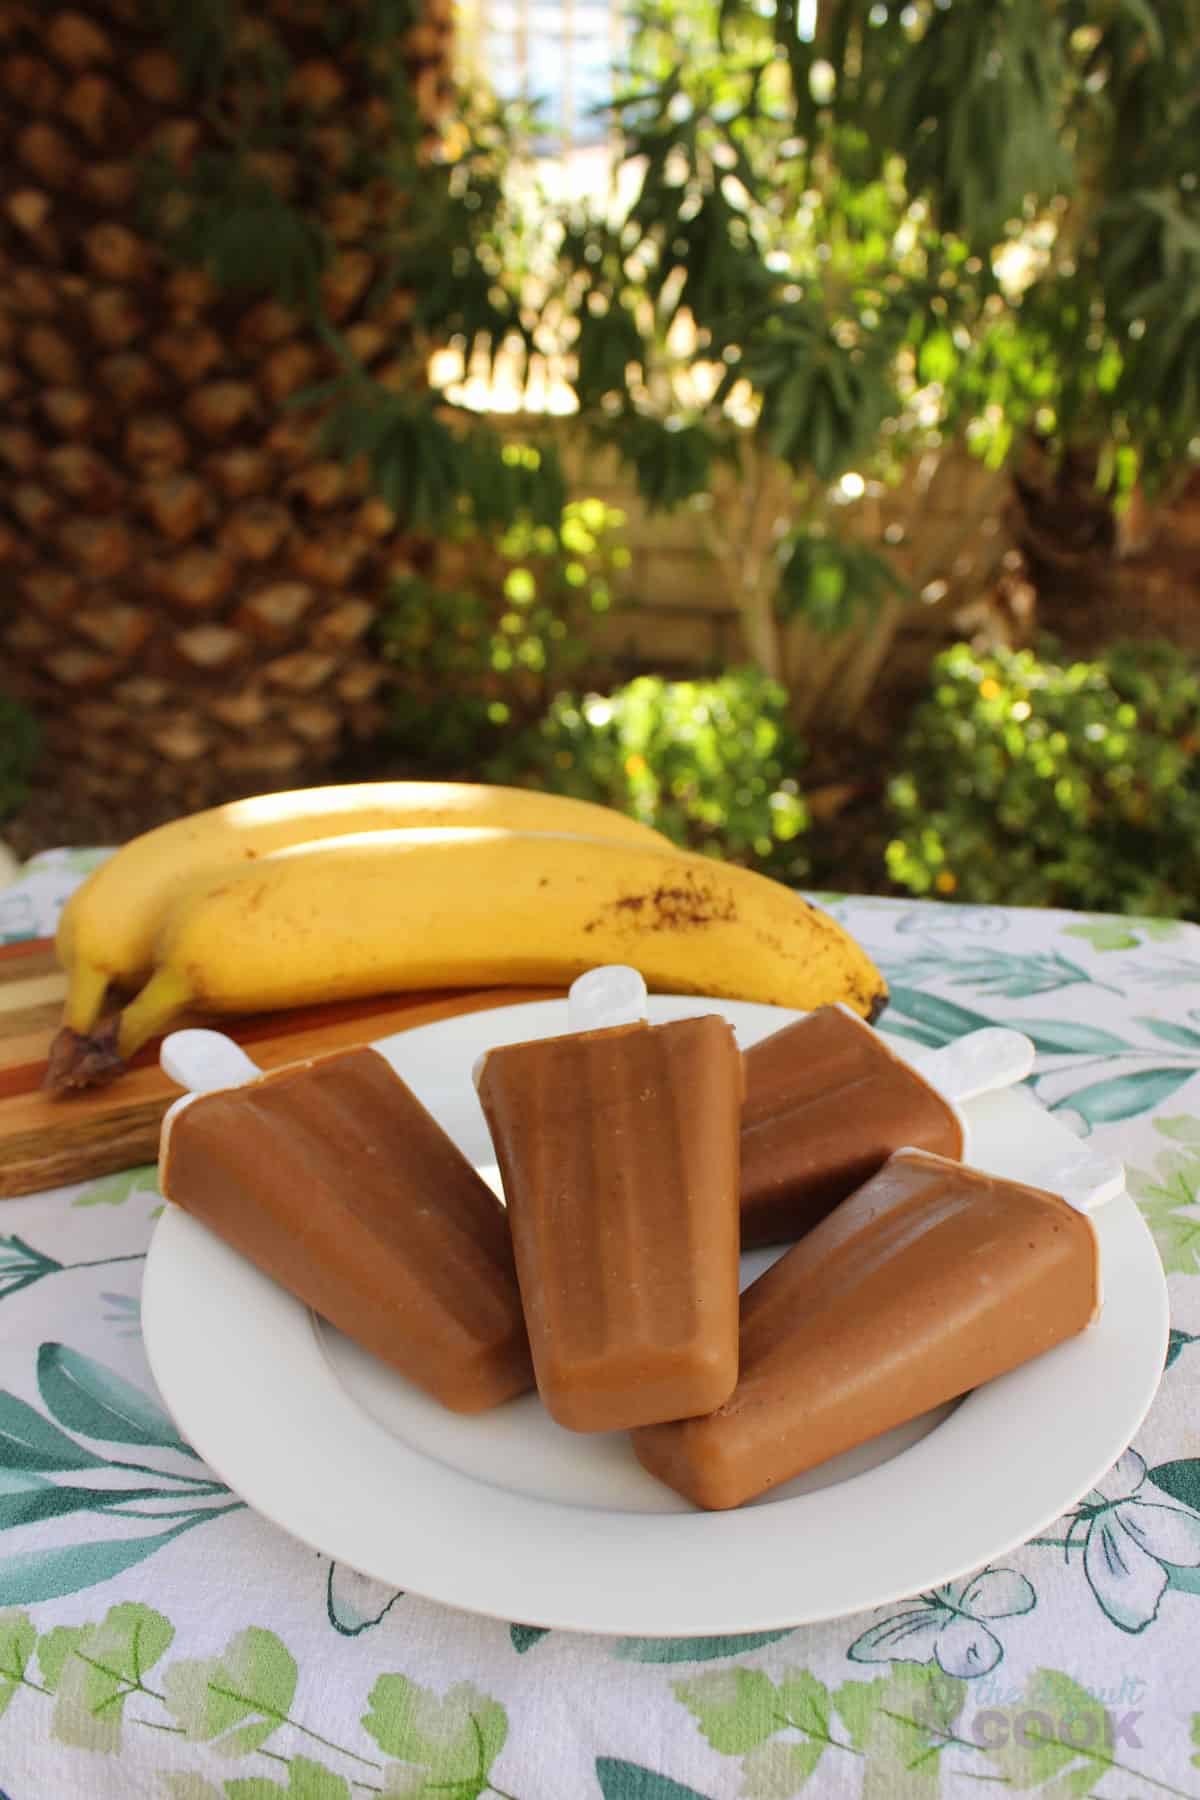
79	1060
689	905
669	908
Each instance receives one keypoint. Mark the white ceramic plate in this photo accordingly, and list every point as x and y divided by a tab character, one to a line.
509	1515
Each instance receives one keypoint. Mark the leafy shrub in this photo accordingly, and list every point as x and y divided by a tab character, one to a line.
18	752
1053	783
712	764
480	654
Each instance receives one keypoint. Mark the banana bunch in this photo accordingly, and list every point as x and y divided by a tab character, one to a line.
110	926
382	911
343	892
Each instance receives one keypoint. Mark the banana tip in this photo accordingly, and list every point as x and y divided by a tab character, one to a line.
80	1059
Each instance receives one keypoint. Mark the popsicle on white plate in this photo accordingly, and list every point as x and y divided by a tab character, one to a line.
618	1147
332	1178
828	1100
928	1281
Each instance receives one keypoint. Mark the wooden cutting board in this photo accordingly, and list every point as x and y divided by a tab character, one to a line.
47	1141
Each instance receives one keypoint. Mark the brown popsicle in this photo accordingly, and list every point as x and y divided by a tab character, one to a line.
826	1104
930	1280
333	1179
618	1150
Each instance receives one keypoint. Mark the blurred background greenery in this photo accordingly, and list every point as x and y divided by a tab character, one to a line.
811	469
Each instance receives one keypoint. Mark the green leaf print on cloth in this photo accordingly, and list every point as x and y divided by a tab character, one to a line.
306	1780
695	1649
21	1265
34	1575
115	1190
629	1781
1179	1479
1124	1096
450	1742
85	1396
93	1669
783	1730
25	1498
942	1019
902	1724
1171	1033
1060	1748
1169	1197
236	1700
1007	974
1183	1129
1069	1037
1125	934
17	1640
28	1441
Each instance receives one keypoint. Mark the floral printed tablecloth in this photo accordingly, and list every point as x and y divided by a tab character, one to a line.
157	1638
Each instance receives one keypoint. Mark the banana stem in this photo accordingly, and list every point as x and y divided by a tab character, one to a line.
151	1011
86	988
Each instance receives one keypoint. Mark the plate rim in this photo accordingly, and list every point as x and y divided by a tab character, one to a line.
216	1398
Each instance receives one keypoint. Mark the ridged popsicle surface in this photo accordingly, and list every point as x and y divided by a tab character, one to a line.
826	1104
930	1280
618	1150
333	1179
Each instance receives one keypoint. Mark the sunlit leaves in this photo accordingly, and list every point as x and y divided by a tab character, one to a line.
831	582
671	459
477	651
712	764
1035	782
433	474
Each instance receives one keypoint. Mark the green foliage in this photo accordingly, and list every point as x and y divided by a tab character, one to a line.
671	460
858	230
431	475
1043	782
19	743
831	581
480	657
750	285
444	236
221	215
850	233
198	34
968	94
713	764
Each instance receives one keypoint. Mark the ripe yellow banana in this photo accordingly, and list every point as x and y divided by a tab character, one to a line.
386	911
109	925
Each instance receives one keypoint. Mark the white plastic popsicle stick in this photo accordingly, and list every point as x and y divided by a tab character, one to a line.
1084	1178
201	1061
205	1060
979	1063
613	994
